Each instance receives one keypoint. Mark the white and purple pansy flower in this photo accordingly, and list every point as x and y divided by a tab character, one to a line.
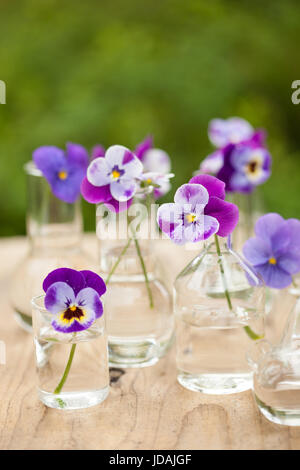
245	165
222	132
73	298
112	178
64	171
198	212
154	160
275	250
157	183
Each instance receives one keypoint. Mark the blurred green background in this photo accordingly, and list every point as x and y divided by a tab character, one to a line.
98	71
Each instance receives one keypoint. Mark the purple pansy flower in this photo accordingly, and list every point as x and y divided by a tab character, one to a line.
198	212
64	171
154	160
112	178
275	250
222	132
73	297
245	165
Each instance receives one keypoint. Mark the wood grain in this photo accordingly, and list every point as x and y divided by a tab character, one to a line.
146	409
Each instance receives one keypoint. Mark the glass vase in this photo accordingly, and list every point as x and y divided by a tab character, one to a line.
140	319
277	374
54	230
72	368
250	209
219	309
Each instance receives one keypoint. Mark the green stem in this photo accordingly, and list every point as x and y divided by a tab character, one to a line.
138	250
67	370
247	329
118	260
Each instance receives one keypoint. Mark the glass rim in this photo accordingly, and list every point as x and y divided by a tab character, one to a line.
34	302
31	169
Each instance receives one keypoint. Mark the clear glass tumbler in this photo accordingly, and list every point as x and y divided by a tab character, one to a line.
72	368
219	309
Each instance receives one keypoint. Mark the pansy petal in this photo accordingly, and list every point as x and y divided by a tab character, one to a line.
169	216
257	251
116	206
70	276
73	325
77	155
289	262
239	182
143	147
226	213
115	154
95	194
88	299
294	231
68	189
274	276
59	297
212	163
205	227
98	151
280	240
94	281
267	225
123	190
157	160
214	186
50	160
194	194
98	172
232	130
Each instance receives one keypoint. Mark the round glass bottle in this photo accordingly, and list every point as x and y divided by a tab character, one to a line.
277	374
139	306
54	230
219	310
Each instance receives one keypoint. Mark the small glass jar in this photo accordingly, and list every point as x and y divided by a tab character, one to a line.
72	368
54	230
140	322
277	374
219	310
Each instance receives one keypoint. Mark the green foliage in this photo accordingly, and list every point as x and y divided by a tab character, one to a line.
99	71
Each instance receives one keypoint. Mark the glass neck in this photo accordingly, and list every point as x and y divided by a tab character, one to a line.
216	244
51	223
292	328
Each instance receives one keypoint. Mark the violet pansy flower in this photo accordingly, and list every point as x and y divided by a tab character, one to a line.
73	297
198	212
154	160
222	132
64	171
275	250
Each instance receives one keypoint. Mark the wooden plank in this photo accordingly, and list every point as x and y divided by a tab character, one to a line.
146	409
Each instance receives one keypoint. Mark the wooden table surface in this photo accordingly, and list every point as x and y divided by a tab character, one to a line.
146	408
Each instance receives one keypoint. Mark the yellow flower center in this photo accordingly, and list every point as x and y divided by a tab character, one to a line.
190	218
272	261
73	308
149	180
63	175
115	174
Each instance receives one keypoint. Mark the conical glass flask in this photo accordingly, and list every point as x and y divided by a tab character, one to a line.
138	304
277	374
54	230
219	309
